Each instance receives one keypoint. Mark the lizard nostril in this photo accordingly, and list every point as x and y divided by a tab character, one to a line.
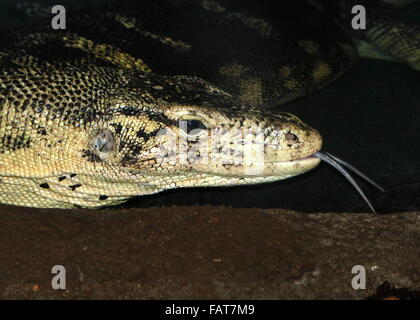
291	138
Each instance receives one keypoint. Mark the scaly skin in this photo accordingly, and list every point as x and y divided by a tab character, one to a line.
61	162
99	113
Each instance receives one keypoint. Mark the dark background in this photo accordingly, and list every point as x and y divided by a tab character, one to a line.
370	118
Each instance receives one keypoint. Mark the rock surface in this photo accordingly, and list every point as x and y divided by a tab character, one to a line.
204	253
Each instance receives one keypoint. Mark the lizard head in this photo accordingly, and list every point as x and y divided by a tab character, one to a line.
170	132
96	137
184	132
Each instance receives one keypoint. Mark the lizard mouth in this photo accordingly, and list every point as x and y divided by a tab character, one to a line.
340	165
308	158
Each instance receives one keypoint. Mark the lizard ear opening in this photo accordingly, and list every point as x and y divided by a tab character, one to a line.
103	143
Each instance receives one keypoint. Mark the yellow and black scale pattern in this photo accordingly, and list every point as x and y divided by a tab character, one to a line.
81	108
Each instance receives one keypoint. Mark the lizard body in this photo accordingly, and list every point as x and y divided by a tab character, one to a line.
146	96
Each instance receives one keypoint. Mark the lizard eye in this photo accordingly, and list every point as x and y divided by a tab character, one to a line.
291	138
192	127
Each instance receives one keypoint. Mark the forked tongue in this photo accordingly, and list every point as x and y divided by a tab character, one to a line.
339	165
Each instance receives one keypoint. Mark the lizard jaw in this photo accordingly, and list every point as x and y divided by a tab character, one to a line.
266	171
